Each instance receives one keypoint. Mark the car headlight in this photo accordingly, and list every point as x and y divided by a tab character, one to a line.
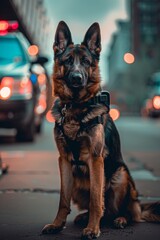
15	88
156	102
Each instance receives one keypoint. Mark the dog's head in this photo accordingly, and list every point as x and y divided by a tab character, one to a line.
76	73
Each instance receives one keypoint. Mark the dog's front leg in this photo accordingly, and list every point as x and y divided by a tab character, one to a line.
65	197
96	207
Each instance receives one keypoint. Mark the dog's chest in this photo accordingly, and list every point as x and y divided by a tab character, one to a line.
71	124
71	129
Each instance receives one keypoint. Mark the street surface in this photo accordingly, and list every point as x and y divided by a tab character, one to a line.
29	193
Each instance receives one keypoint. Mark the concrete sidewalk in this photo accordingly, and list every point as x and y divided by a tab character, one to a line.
29	196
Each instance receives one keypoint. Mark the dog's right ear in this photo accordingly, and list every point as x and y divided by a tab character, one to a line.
92	39
63	38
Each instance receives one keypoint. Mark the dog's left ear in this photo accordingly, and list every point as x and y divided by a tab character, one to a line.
63	38
92	39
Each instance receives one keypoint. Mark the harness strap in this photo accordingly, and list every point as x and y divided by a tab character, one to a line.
101	98
91	123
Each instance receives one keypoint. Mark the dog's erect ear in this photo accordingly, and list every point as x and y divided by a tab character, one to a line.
92	39
63	38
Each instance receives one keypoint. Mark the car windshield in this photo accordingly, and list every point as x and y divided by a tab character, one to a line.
11	51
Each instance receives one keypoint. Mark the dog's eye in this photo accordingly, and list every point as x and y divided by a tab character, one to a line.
86	62
68	61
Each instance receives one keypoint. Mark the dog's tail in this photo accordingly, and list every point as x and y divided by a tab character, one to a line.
151	212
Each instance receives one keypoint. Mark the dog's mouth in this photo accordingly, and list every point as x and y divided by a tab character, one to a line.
77	86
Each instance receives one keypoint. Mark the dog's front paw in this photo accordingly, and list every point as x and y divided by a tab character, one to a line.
90	233
52	229
120	222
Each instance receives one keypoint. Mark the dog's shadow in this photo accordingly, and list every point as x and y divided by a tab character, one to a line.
137	231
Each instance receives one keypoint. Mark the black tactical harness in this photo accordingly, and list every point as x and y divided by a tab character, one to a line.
102	98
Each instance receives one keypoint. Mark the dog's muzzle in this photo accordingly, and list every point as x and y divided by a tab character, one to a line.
76	80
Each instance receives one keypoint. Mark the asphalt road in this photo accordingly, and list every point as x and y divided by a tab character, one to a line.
29	193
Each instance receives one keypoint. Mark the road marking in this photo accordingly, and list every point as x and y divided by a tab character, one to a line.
29	190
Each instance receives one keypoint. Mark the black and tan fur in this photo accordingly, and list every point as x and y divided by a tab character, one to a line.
102	185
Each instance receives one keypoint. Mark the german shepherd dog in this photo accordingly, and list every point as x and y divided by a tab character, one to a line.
93	173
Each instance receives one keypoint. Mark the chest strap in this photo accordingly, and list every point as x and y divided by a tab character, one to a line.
91	123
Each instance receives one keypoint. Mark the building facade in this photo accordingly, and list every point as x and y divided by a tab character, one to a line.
118	84
143	31
33	16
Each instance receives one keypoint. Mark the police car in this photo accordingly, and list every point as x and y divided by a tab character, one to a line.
22	84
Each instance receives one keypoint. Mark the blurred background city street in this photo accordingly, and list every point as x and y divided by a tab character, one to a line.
130	70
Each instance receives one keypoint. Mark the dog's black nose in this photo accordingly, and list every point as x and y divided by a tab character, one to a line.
76	79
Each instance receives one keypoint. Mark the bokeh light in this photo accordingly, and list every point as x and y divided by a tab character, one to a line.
156	102
41	78
4	25
49	117
114	113
5	93
33	50
129	58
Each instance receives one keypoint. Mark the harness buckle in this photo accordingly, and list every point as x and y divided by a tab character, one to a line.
105	98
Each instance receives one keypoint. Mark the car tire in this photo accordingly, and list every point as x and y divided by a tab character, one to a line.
39	128
153	115
27	133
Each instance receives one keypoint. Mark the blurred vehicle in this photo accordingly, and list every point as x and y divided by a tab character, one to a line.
151	105
22	84
114	112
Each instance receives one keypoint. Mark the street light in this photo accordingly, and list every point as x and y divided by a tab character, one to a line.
129	58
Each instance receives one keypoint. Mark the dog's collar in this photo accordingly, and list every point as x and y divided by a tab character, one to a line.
102	97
